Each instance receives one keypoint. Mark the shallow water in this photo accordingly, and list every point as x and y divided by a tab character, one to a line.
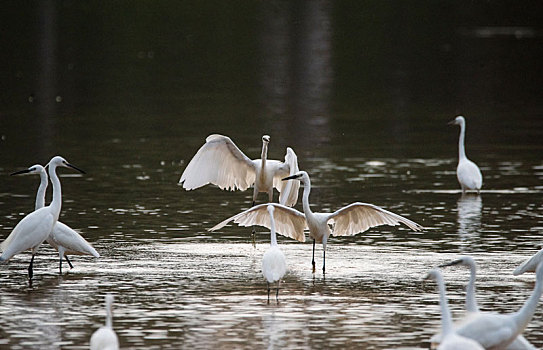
136	104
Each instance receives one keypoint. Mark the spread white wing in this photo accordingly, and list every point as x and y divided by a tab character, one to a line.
358	217
220	162
289	222
288	190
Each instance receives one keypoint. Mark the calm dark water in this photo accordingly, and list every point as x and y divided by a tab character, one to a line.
361	91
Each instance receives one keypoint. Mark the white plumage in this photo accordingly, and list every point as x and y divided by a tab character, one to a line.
472	308
451	339
105	338
34	228
530	264
64	239
468	173
220	162
347	221
274	265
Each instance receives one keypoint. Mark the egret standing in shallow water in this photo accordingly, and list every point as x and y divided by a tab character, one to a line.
35	227
274	265
64	239
220	162
472	309
105	338
347	221
468	173
451	339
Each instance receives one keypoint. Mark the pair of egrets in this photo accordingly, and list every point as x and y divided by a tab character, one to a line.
220	162
486	330
43	225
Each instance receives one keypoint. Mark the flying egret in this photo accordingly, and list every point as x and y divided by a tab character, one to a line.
35	227
104	338
468	173
64	239
498	331
274	265
220	162
347	221
451	339
530	264
472	309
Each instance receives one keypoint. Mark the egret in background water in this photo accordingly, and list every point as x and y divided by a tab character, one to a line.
451	339
347	221
220	162
105	338
472	309
468	173
64	239
35	227
274	265
498	331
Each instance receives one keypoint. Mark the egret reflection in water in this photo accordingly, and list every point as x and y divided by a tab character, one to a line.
469	208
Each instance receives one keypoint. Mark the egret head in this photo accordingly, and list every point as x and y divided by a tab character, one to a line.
464	261
59	161
301	176
457	121
266	139
34	169
434	275
270	209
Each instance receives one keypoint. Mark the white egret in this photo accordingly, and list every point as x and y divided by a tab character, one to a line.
451	339
499	331
472	309
63	238
274	265
220	162
35	227
530	264
105	338
468	173
347	221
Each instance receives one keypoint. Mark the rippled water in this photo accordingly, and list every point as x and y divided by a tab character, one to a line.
366	114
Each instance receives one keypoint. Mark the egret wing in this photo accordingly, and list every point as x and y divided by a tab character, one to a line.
71	240
358	217
288	190
220	162
289	222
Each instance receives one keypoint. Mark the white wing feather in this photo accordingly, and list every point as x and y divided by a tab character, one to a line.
358	217
289	222
220	162
71	240
288	190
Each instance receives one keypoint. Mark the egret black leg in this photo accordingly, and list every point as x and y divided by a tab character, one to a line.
277	292
253	234
60	265
313	260
268	292
31	268
323	261
68	261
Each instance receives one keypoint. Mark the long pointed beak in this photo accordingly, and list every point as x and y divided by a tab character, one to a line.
20	172
292	177
452	122
76	168
452	263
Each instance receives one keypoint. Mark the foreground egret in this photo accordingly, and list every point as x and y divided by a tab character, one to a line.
64	239
530	264
34	228
105	338
274	265
220	162
498	331
451	339
468	173
472	309
347	221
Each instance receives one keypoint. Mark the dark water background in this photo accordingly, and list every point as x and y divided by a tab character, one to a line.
362	91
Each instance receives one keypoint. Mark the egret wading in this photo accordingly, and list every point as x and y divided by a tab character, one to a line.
274	265
499	331
451	339
347	221
472	308
35	227
468	173
63	238
105	338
